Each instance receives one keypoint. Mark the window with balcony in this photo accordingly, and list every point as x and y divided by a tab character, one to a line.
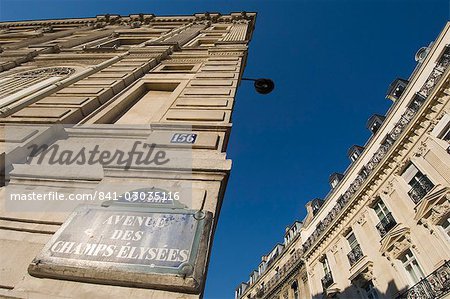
420	184
387	222
413	270
355	253
327	279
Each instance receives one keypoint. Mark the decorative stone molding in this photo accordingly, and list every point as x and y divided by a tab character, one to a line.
395	242
362	219
422	149
211	53
434	207
401	166
46	72
389	188
202	22
207	17
184	60
82	63
438	119
363	275
334	248
437	73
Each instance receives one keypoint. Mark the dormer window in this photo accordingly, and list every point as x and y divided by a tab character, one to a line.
375	122
335	178
396	89
355	152
316	204
416	102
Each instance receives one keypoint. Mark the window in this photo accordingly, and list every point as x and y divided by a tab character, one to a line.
412	267
420	183
177	67
446	226
446	135
355	253
326	266
295	291
327	280
442	129
123	43
371	292
387	222
380	209
352	240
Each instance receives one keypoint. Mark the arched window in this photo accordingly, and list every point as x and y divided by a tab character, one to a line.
19	85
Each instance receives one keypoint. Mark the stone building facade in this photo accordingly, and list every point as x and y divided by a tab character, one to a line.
113	83
383	230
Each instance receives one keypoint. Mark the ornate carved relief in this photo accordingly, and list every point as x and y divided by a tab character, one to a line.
401	166
46	72
362	219
334	248
77	62
434	207
389	188
225	53
395	242
422	149
363	276
185	60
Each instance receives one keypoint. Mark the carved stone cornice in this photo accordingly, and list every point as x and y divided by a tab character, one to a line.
136	20
208	17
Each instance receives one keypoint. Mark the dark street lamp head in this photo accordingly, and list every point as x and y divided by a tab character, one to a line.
264	86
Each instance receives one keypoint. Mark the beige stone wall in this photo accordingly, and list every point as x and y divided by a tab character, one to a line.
167	75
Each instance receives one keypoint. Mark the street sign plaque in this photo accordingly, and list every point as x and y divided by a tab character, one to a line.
125	245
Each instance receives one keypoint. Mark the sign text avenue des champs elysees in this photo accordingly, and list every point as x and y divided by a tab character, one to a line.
151	245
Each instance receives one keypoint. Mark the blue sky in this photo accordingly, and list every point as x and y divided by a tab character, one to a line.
332	62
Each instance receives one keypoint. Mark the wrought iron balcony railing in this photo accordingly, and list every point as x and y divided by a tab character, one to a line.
434	286
327	280
386	224
420	188
355	255
283	273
